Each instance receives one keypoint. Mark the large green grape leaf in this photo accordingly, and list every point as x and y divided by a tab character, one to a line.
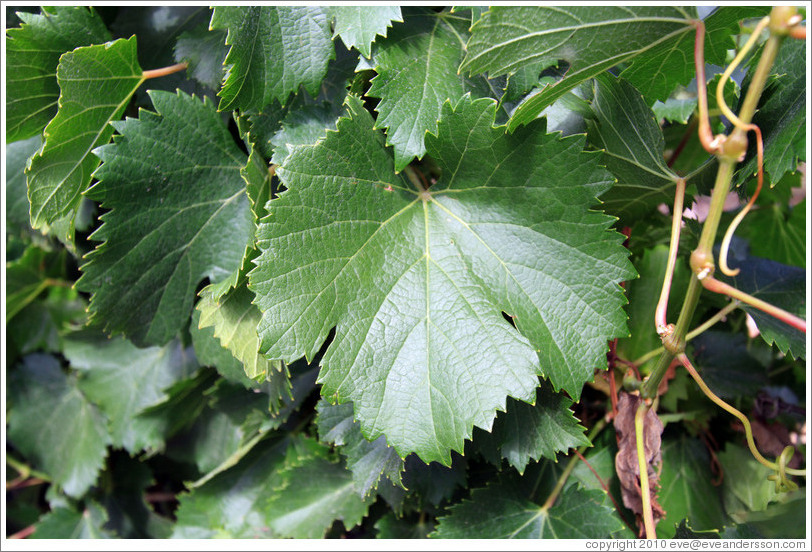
781	114
368	461
96	84
359	25
178	213
625	128
32	55
123	380
590	38
210	352
274	49
53	424
526	432
503	512
417	72
415	281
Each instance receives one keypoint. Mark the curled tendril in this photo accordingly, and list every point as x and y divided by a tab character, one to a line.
782	483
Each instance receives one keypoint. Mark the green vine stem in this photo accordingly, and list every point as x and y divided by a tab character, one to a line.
780	467
730	150
642	465
660	322
707	324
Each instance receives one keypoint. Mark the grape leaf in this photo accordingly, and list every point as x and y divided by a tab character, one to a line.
234	319
368	461
746	482
496	512
274	49
54	425
417	65
210	352
96	84
526	432
17	206
179	213
675	110
231	504
205	51
359	25
777	233
659	70
123	380
590	38
778	284
231	424
781	114
625	128
304	126
32	55
725	363
417	288
63	523
685	488
314	492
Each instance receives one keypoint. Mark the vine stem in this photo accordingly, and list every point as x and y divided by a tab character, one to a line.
163	71
642	464
712	284
702	257
676	222
741	417
707	324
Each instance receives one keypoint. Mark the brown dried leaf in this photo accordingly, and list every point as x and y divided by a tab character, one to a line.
626	459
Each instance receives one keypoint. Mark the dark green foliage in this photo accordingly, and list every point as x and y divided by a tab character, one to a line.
360	271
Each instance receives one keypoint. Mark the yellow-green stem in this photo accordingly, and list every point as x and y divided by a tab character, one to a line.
642	464
748	431
730	307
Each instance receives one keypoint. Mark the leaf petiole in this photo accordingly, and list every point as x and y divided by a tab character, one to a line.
164	71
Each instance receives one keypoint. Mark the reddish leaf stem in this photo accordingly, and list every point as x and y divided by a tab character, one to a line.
163	71
712	284
24	533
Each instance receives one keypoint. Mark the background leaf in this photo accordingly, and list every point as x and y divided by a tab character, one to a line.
496	512
123	381
358	26
274	49
632	143
590	38
96	84
368	461
55	425
32	55
180	218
